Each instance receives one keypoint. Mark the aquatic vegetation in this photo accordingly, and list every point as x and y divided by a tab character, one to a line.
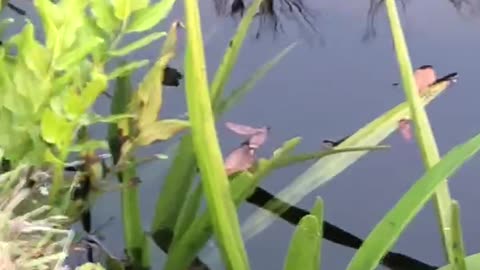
48	91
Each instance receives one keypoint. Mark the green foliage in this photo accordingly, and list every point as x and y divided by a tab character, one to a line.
423	130
327	168
386	233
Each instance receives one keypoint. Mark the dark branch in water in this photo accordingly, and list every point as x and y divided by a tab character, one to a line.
335	234
271	13
18	10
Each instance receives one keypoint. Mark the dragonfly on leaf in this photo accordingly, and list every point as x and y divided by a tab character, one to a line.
425	77
243	157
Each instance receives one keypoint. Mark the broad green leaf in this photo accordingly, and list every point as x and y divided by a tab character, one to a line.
127	69
104	15
93	89
35	56
73	56
51	17
423	130
148	99
472	261
238	94
388	230
231	55
122	9
304	247
146	18
55	129
327	168
138	44
74	19
160	131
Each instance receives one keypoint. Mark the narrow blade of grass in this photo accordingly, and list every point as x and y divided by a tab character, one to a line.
389	229
458	247
215	183
237	94
231	55
327	168
423	130
305	247
188	213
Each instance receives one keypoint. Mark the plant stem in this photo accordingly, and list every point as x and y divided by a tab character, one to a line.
423	131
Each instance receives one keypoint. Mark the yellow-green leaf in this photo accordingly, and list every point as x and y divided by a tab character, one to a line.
140	43
148	99
105	17
148	17
161	131
127	69
75	55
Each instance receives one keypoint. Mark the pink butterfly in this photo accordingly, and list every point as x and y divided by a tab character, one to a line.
240	159
405	129
425	77
256	136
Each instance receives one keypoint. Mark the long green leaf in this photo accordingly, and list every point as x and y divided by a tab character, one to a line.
183	169
304	249
386	233
138	44
231	55
456	231
215	183
237	94
327	168
423	130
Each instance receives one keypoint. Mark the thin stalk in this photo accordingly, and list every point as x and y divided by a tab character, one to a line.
423	131
215	183
135	239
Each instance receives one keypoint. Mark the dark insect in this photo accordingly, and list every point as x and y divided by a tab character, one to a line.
335	143
171	77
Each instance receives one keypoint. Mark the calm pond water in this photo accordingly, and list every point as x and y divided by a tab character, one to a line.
329	91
